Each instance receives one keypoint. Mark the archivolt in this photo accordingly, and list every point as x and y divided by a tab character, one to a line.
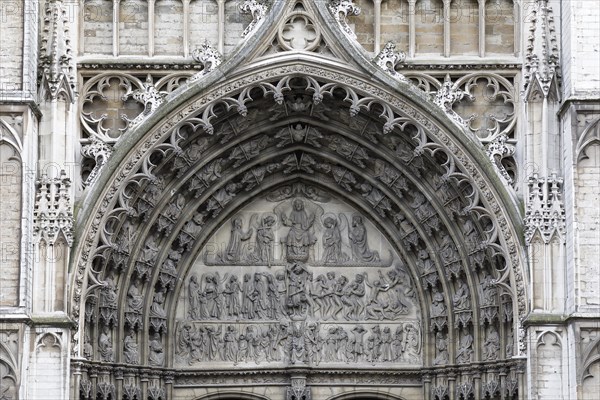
395	158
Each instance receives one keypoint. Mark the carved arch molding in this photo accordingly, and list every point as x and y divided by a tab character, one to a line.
297	220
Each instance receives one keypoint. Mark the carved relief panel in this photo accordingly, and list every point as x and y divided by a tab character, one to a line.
298	278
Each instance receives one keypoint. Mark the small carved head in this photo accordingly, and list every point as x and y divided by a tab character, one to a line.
298	205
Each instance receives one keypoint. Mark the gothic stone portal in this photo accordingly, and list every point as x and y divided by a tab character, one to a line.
298	280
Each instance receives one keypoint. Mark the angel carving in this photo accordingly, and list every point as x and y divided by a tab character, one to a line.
332	239
357	234
234	251
265	226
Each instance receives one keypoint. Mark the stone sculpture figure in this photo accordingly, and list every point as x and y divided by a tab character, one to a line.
189	156
357	234
184	340
447	250
192	228
231	294
376	307
438	307
398	343
281	286
386	352
332	242
135	300
108	294
297	296
105	347
461	298
359	350
265	237
156	355
213	294
196	299
442	350
247	310
88	349
353	298
150	251
260	296
489	290
229	344
465	348
234	251
213	341
299	239
297	352
411	345
157	308
339	292
313	343
130	349
171	213
491	346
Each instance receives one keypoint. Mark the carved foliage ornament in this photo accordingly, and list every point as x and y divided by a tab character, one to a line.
257	10
209	57
341	10
388	58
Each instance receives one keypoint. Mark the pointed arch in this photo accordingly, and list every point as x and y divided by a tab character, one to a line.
218	143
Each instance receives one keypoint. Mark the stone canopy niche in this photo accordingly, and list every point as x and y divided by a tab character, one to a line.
298	278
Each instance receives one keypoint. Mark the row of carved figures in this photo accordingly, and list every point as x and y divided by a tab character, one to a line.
296	292
464	351
299	343
300	239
